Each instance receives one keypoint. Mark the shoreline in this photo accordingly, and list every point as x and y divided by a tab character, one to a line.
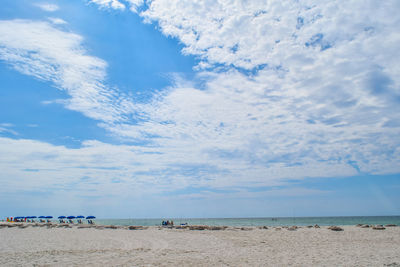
23	225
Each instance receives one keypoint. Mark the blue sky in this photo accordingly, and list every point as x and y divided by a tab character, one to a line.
132	108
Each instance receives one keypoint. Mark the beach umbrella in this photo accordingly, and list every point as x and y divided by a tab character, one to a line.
71	217
80	217
33	217
90	217
61	217
42	217
47	217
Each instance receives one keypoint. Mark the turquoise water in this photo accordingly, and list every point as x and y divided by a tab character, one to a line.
259	221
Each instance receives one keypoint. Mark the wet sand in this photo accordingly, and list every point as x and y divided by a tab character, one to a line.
156	246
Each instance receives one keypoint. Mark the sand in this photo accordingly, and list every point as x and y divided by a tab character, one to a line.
355	246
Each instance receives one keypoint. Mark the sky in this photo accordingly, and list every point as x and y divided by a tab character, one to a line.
177	108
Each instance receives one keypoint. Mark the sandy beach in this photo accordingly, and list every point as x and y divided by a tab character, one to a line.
156	246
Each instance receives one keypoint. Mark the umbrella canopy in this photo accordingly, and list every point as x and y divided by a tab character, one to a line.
71	217
90	217
61	217
48	217
32	217
80	217
42	217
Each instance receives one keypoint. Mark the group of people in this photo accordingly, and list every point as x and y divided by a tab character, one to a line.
79	221
19	219
167	223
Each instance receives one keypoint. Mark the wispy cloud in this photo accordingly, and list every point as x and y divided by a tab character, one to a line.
119	4
47	7
57	20
114	4
41	50
7	128
135	4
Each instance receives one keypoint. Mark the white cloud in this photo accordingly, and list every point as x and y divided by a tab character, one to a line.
119	5
252	134
48	7
7	128
6	124
135	4
114	4
57	21
321	89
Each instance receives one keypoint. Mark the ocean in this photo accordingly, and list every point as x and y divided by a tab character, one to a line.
345	220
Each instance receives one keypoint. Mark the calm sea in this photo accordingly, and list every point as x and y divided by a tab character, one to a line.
259	221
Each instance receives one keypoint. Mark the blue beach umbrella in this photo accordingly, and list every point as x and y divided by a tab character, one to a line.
42	217
90	217
48	217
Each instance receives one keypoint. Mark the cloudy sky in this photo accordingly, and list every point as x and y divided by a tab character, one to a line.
184	108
